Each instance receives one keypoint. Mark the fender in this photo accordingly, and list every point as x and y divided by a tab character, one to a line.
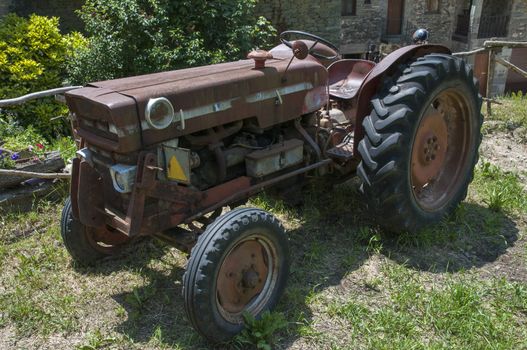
373	81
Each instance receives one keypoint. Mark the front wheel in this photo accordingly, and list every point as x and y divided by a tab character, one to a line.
88	245
240	264
421	143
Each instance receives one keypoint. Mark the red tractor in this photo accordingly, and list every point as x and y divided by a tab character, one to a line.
164	154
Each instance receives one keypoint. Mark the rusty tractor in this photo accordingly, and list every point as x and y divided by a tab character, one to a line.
163	154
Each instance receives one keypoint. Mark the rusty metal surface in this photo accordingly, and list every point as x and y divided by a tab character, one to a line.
346	76
205	96
440	149
384	68
430	145
90	199
274	158
105	119
242	276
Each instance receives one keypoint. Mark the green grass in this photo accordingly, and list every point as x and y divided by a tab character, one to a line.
461	284
509	115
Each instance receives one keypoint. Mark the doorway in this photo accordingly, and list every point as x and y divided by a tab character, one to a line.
394	19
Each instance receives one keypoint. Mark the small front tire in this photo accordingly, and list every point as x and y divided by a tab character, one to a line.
240	264
88	245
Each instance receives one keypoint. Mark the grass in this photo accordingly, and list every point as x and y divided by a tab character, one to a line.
460	284
510	116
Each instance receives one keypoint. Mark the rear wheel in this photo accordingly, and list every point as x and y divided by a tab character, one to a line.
421	143
87	245
240	264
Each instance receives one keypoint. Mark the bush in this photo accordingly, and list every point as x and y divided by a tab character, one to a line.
33	54
131	37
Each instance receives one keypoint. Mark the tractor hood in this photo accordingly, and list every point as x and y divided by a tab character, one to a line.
111	114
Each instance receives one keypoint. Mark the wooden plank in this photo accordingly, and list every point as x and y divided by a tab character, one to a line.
394	19
52	164
481	66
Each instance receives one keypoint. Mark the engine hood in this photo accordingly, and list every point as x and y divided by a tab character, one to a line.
204	96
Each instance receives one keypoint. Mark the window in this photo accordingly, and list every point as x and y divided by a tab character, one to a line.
432	5
349	7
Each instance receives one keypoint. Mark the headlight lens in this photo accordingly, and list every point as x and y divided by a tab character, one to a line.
123	177
159	113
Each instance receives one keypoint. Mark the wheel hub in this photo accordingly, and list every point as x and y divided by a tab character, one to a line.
440	149
430	148
242	276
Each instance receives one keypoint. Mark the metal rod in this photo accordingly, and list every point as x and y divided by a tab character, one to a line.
257	188
36	95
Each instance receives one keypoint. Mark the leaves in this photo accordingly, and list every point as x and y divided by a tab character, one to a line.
32	58
134	37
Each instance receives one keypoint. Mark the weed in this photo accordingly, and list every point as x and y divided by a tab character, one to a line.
259	333
502	191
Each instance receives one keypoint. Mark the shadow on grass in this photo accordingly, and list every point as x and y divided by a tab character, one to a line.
473	237
332	238
153	312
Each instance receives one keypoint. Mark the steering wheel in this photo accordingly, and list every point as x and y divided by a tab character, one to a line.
317	39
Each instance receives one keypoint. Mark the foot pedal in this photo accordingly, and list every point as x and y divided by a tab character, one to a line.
343	151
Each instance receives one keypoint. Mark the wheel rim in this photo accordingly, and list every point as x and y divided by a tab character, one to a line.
246	279
441	146
104	240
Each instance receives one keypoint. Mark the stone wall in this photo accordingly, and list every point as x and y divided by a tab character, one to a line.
440	24
64	9
357	32
318	17
369	25
4	7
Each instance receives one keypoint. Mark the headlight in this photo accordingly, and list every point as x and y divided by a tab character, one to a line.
159	113
123	177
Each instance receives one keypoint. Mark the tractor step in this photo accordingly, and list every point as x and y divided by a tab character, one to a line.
342	151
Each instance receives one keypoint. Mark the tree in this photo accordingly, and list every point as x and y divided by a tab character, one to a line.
131	37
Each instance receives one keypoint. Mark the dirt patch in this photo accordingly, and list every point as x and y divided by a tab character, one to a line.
506	151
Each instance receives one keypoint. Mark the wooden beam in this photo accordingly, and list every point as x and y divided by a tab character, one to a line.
30	174
496	43
511	66
469	53
490	77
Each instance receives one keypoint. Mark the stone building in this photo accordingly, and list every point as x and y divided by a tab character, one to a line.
355	24
459	24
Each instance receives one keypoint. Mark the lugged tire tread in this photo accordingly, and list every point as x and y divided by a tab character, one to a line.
208	251
394	111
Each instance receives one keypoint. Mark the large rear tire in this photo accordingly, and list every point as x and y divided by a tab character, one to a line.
421	143
240	264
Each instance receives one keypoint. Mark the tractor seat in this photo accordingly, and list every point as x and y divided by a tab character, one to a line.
346	77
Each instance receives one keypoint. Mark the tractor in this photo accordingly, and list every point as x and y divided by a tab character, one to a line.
166	154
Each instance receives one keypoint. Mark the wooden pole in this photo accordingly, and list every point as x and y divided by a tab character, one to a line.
469	53
511	66
490	76
30	175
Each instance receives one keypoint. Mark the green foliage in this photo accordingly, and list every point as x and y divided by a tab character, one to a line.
502	190
259	333
131	37
33	53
